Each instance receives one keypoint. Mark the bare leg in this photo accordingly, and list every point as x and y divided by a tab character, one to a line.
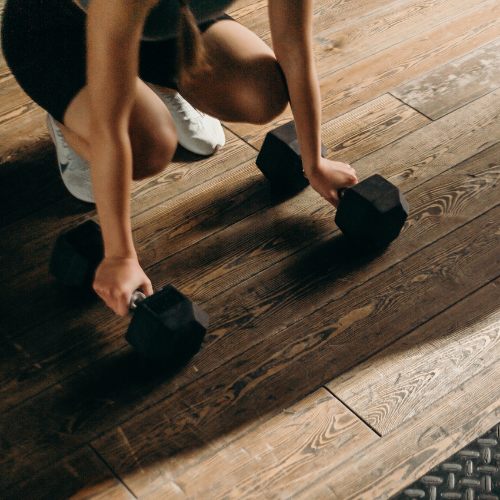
152	131
245	84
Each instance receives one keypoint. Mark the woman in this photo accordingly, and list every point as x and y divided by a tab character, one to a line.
88	67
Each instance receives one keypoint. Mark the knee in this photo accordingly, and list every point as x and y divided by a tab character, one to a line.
269	97
152	155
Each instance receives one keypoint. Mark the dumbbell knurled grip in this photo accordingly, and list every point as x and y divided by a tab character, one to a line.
137	297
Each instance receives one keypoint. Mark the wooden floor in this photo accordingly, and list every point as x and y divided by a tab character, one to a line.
325	374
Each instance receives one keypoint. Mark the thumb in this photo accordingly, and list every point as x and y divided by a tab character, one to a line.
334	199
147	287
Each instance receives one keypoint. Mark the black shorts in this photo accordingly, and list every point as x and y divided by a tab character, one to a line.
44	45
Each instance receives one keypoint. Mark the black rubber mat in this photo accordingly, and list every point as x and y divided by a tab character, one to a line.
473	473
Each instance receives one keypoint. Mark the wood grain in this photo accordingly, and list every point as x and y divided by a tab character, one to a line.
115	388
454	84
292	305
277	371
268	458
411	375
188	170
431	149
65	325
335	13
343	89
398	459
68	343
349	137
81	475
20	117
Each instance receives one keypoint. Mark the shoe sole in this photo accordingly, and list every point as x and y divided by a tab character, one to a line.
52	132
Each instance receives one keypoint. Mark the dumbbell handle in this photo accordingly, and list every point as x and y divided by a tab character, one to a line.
137	297
341	192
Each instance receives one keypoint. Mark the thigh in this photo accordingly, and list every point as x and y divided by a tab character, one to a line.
245	82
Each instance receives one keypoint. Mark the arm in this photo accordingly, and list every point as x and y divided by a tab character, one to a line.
292	35
113	34
291	30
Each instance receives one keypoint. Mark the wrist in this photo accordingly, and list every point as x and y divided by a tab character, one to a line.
115	250
120	256
311	167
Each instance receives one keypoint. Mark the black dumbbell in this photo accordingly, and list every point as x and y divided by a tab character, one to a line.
371	213
279	159
164	326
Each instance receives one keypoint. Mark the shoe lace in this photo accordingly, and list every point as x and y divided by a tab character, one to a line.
182	107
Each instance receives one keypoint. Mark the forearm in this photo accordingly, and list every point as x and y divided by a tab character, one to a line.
305	101
111	170
292	34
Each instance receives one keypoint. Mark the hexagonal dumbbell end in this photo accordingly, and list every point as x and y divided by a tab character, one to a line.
76	255
280	161
167	326
372	212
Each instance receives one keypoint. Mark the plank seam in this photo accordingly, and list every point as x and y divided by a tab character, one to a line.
461	106
159	401
313	312
115	475
409	332
352	411
240	137
456	446
431	71
356	61
412	107
21	332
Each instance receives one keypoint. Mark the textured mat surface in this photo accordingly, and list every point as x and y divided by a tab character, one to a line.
473	473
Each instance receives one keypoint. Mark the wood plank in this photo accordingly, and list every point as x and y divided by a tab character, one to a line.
26	248
327	14
396	460
289	363
270	457
61	350
350	137
129	397
188	170
20	116
431	148
286	287
22	122
56	343
284	366
81	475
16	370
414	373
343	89
31	187
455	83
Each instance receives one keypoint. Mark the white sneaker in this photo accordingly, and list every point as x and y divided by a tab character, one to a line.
197	132
75	171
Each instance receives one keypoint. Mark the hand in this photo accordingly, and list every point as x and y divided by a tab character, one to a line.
330	176
117	278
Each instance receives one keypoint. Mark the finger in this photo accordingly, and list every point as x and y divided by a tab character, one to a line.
334	200
147	288
352	179
124	303
120	306
103	295
112	304
118	301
